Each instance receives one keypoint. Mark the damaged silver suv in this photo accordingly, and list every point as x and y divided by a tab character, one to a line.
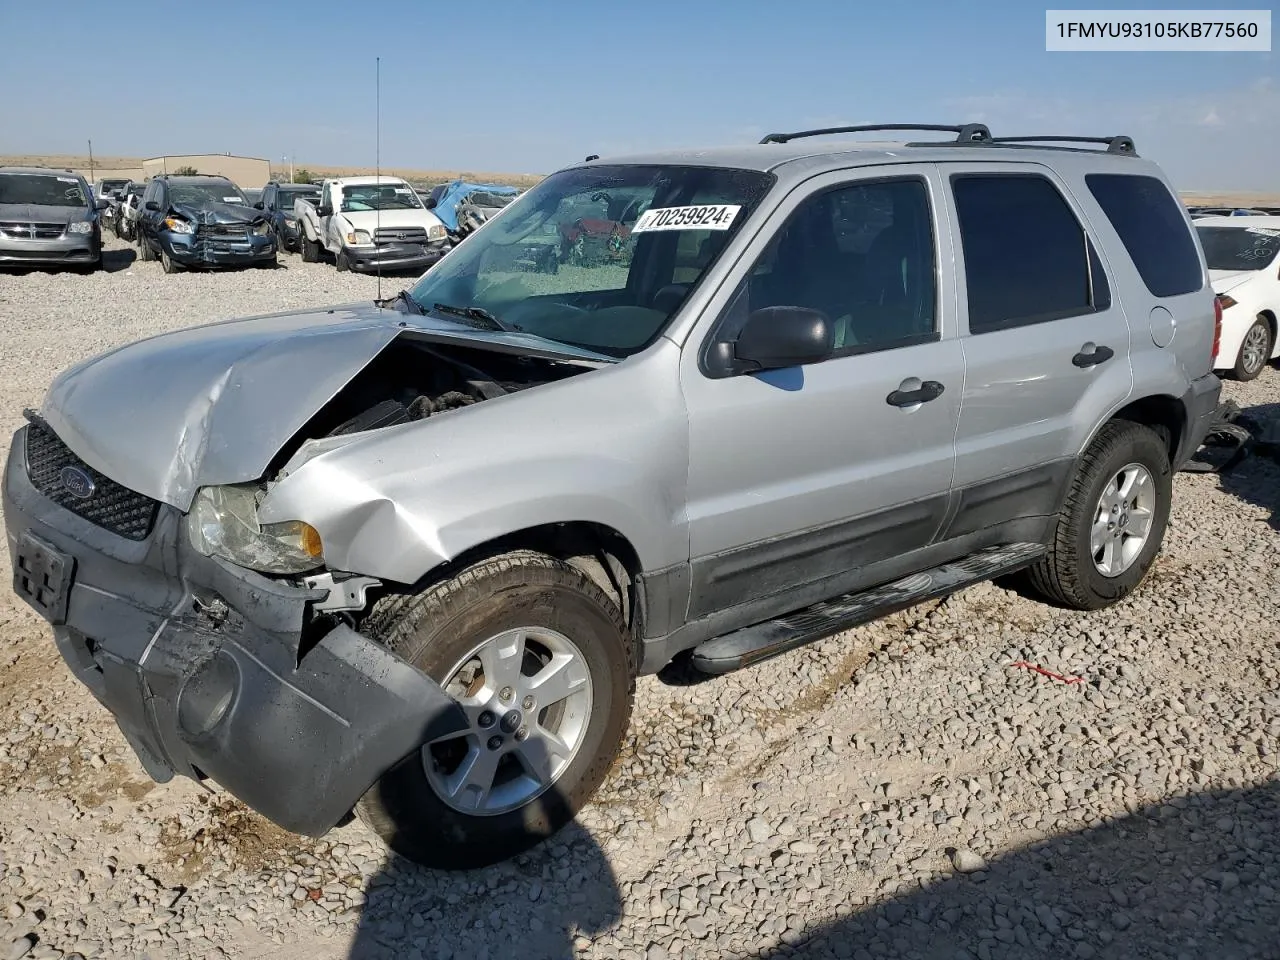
408	557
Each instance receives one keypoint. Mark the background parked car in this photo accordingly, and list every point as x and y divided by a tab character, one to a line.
1241	253
370	223
202	222
463	207
277	203
48	218
126	221
252	194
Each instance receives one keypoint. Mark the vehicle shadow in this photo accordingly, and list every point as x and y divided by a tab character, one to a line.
118	259
1256	478
533	905
1192	877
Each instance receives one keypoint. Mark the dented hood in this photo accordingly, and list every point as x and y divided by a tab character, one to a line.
215	404
218	213
212	404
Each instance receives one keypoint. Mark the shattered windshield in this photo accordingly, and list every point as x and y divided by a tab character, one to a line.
198	193
598	257
1239	248
379	196
41	190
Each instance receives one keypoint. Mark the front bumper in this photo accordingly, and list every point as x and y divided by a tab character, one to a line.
72	248
1201	404
204	667
191	250
395	256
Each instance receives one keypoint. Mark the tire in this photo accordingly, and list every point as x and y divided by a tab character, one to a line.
341	262
1255	350
436	630
1069	574
309	249
168	263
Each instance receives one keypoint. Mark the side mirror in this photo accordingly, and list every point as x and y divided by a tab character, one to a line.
774	338
259	206
429	203
102	204
152	205
325	210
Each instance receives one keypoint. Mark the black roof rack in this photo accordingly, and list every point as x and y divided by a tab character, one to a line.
1117	144
965	133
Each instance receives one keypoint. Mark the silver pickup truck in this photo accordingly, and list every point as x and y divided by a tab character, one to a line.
410	556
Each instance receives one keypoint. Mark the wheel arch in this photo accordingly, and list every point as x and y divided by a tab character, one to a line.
1165	414
600	551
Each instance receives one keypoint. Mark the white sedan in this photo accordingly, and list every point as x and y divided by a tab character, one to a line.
1241	255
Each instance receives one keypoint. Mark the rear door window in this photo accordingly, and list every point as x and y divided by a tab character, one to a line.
1152	228
1026	257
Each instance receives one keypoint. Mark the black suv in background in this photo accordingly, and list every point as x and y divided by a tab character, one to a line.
202	222
277	203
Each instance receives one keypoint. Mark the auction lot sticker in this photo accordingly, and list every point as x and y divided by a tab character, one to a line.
713	216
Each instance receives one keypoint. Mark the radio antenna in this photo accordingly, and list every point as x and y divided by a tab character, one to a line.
377	161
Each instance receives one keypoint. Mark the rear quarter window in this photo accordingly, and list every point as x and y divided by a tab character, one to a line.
1153	230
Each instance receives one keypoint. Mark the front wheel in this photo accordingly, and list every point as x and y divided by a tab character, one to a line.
309	248
1255	350
168	263
544	667
1111	525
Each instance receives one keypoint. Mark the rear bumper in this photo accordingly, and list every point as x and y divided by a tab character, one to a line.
395	256
201	664
1201	404
193	251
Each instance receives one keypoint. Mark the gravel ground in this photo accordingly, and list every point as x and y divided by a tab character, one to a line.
901	790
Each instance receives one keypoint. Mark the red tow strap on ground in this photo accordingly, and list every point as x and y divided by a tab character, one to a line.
1048	673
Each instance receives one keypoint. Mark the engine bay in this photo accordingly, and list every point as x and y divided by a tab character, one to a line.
413	380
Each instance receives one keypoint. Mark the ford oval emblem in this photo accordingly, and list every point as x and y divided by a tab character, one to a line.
78	483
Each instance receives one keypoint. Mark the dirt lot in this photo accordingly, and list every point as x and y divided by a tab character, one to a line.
901	790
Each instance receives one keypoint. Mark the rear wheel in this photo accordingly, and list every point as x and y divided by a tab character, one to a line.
544	667
1109	530
1255	350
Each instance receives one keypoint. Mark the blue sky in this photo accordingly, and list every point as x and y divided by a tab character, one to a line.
522	86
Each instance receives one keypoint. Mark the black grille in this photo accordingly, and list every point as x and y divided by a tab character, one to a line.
109	505
400	235
18	230
224	231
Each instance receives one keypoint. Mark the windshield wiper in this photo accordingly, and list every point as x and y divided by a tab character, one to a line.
480	314
413	305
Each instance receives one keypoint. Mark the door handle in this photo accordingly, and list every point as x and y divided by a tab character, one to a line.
1091	355
928	390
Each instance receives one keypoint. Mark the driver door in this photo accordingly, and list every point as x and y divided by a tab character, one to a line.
805	483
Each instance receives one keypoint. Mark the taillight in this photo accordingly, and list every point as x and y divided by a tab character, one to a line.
1217	326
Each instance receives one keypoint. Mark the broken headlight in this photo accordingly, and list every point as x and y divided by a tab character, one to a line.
261	229
436	233
224	522
178	225
359	238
